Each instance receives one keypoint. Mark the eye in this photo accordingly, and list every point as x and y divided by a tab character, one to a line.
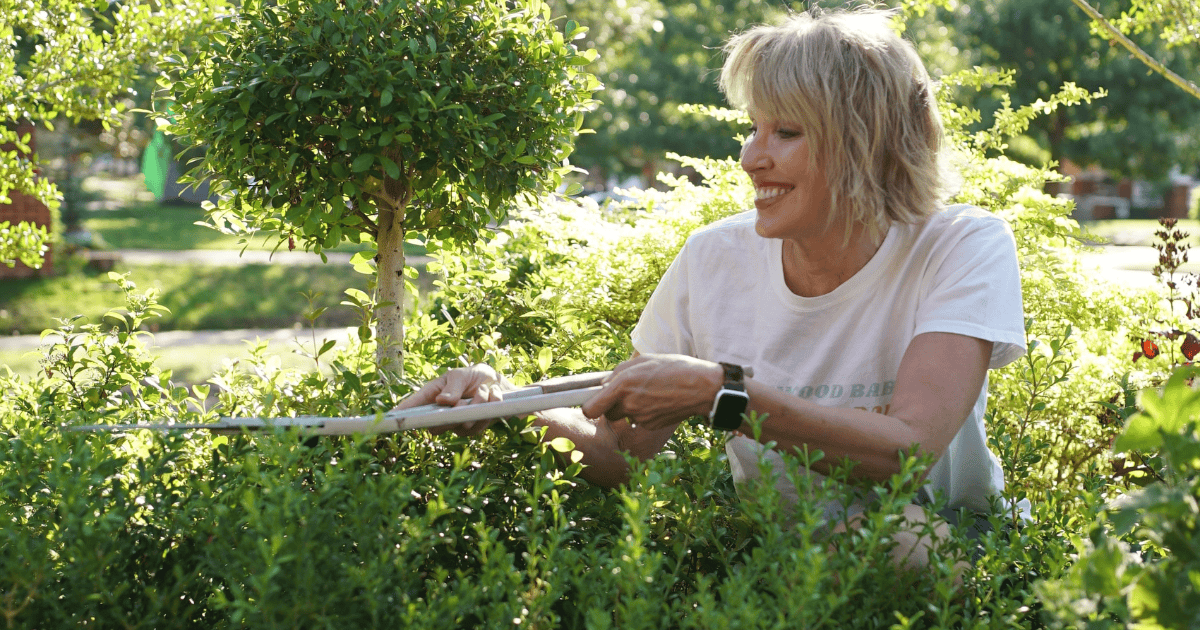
788	134
752	130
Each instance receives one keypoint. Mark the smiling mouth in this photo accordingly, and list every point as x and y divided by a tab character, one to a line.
770	192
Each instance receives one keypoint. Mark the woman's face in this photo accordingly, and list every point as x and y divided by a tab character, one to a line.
791	195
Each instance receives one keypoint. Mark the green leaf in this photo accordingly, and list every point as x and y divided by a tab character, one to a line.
362	163
544	358
364	263
390	167
1166	413
385	98
1141	434
561	444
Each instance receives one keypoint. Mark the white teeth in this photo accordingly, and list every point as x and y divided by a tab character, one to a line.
768	193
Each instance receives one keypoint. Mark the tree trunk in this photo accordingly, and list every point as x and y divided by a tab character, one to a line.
389	292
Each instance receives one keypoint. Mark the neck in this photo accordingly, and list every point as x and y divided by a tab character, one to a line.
817	266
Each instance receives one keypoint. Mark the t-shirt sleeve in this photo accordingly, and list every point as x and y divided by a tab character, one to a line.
975	290
663	327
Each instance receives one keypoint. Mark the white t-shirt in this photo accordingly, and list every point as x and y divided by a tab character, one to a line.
724	299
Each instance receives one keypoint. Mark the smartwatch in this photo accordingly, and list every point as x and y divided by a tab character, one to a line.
731	400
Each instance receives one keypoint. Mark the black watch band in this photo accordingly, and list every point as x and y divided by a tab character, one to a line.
731	401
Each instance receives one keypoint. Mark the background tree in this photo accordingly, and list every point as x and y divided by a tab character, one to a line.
1177	23
370	120
654	56
1141	128
65	58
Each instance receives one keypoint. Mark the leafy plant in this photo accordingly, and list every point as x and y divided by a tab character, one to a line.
1138	565
78	60
379	120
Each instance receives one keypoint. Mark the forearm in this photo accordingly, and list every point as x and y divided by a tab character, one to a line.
872	440
603	461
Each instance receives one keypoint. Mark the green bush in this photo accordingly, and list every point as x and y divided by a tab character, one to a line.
1140	563
410	530
271	530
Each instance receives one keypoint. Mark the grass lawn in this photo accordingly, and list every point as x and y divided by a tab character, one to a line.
1139	231
189	365
136	221
200	297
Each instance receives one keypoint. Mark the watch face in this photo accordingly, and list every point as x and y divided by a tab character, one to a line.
728	413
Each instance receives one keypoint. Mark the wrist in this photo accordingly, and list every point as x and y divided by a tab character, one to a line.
712	379
731	400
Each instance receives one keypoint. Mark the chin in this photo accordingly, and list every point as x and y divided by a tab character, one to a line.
766	228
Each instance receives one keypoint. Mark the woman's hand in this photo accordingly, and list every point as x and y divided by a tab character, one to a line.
458	387
657	392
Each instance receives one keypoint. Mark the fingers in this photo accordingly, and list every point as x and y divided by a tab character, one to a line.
462	386
483	394
602	402
450	388
658	391
610	396
424	396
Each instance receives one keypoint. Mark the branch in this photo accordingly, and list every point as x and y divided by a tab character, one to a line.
1136	51
365	217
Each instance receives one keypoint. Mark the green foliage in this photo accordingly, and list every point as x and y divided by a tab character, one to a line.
414	530
76	60
1139	565
1139	129
373	121
1177	24
313	112
170	530
656	55
25	242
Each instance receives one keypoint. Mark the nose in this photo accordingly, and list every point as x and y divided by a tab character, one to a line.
754	155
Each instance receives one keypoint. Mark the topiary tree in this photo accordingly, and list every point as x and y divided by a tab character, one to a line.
371	120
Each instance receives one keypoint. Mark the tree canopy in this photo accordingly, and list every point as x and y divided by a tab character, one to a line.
1142	126
656	55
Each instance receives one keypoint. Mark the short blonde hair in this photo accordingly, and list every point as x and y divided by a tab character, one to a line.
864	100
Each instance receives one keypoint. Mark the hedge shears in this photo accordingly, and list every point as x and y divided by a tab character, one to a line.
565	391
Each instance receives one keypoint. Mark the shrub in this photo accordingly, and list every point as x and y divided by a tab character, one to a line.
193	530
1139	563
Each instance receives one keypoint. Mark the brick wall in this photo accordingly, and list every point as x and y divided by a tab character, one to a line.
26	208
1175	201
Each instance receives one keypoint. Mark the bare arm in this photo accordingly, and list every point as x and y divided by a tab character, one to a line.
937	384
601	442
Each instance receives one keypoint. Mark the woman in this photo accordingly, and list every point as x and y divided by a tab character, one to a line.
869	312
